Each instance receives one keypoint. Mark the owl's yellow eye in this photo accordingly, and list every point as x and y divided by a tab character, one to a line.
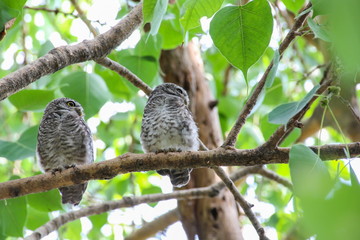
70	103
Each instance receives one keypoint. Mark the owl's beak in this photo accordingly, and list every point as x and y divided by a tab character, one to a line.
79	111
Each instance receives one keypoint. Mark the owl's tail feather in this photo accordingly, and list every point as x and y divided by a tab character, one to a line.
73	194
179	177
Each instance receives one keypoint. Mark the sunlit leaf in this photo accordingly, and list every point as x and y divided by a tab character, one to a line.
196	9
23	148
293	5
13	214
242	33
9	9
88	89
45	201
36	218
31	99
153	11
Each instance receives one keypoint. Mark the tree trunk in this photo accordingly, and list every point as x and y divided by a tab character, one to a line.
209	218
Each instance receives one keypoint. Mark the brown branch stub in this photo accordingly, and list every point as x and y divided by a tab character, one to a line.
249	105
150	161
61	57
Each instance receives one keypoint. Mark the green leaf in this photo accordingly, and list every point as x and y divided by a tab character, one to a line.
171	33
88	89
45	48
318	30
149	46
196	9
283	113
293	5
31	100
320	7
309	174
154	11
242	33
145	67
45	201
271	76
36	218
9	9
73	230
13	214
23	148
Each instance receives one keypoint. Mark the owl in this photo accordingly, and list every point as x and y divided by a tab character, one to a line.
64	140
168	126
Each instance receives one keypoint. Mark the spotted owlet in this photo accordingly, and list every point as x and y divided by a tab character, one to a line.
168	126
64	140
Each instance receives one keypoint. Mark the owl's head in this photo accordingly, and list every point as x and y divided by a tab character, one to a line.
171	89
64	105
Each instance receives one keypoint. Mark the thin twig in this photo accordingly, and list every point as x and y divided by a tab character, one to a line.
57	222
126	73
231	138
243	203
275	177
82	16
353	111
55	11
151	228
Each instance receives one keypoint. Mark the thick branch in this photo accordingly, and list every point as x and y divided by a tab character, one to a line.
250	103
61	57
151	161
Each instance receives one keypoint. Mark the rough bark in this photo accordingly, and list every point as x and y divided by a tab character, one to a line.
209	218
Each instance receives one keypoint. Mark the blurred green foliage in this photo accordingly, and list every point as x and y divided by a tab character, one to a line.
325	205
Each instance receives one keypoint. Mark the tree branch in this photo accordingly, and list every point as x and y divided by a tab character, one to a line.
61	57
243	203
131	162
151	228
110	64
250	103
275	177
210	191
126	73
57	222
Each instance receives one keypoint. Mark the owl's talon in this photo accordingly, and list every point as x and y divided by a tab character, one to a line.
54	170
70	166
